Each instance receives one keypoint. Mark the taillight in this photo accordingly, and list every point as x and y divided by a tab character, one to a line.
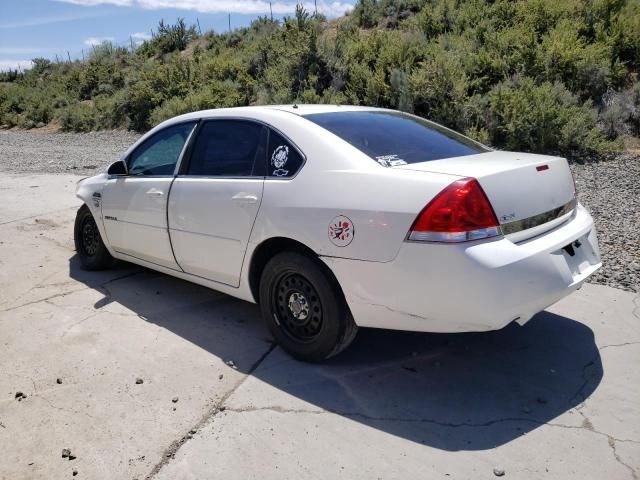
459	213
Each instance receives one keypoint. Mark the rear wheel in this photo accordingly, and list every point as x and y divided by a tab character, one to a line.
304	308
91	250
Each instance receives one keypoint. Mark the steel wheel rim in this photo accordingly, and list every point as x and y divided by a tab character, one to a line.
297	307
90	236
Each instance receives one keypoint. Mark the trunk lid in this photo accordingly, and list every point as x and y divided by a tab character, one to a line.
520	186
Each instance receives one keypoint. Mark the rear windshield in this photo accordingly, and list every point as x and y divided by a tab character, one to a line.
395	138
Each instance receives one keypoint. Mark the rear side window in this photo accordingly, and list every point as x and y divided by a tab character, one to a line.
395	138
228	148
284	159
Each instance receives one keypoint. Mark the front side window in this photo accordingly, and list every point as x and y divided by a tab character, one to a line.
228	148
284	159
159	154
395	138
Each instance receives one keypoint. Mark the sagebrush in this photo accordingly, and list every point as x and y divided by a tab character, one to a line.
537	75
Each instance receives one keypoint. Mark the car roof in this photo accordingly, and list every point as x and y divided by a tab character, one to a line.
257	112
308	109
296	109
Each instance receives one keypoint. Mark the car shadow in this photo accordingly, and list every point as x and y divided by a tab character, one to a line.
434	389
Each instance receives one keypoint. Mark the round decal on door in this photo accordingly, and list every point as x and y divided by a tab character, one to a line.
341	231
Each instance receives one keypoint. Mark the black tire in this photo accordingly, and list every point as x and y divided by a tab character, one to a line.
91	251
304	308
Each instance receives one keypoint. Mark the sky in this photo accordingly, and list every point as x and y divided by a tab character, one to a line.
46	28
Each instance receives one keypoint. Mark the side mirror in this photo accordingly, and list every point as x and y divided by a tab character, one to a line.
117	168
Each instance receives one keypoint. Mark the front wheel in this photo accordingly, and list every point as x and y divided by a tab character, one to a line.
304	308
89	245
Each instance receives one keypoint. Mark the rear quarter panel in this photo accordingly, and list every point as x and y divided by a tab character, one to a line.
337	179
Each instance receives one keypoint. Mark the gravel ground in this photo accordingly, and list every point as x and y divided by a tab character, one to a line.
607	188
78	153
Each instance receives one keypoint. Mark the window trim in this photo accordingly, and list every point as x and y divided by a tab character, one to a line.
187	141
181	172
187	145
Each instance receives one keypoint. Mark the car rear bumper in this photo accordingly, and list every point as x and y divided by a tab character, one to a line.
475	286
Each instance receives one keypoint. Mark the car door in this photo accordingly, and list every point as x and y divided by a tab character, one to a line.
215	198
134	206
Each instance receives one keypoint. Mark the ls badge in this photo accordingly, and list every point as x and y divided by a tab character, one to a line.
341	231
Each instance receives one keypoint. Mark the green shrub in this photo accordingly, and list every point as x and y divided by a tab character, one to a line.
584	67
111	110
536	75
169	38
624	34
215	95
367	13
141	100
79	117
479	134
40	65
544	118
621	113
439	87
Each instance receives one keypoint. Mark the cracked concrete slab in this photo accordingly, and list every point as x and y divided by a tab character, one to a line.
273	445
557	398
98	332
545	399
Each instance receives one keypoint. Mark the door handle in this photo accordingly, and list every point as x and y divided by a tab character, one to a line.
155	191
243	197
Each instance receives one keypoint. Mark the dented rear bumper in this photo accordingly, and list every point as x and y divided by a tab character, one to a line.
475	286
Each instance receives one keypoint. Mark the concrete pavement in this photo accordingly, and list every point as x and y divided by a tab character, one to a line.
557	398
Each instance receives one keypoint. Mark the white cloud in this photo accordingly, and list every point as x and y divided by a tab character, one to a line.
250	7
6	65
92	3
93	41
20	50
140	37
37	21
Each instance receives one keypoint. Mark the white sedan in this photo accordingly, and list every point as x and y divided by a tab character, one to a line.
335	217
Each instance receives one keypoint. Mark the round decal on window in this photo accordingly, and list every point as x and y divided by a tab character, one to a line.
341	231
279	160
